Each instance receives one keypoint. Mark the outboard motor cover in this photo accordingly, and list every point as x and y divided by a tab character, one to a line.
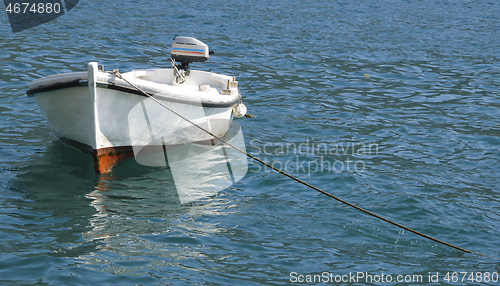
187	50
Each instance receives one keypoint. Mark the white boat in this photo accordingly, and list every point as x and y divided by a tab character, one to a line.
113	120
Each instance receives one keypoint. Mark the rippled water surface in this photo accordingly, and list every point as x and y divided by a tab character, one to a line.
391	105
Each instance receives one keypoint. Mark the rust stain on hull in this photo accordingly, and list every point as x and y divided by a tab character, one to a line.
106	159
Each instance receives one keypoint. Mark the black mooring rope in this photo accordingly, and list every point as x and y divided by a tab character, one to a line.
117	74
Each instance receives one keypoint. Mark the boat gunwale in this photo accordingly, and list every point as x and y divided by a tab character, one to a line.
112	86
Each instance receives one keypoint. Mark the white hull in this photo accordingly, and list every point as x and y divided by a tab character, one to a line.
102	112
70	115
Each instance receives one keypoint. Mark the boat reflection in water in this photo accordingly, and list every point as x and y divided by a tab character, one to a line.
194	172
162	201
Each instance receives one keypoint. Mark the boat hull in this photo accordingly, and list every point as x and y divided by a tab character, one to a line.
113	124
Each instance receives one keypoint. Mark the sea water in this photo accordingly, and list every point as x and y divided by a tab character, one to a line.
391	105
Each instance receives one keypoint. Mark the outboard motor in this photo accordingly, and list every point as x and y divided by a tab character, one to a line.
187	50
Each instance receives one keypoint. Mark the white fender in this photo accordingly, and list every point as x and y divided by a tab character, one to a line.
239	110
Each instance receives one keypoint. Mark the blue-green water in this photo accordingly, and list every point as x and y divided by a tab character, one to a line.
408	90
